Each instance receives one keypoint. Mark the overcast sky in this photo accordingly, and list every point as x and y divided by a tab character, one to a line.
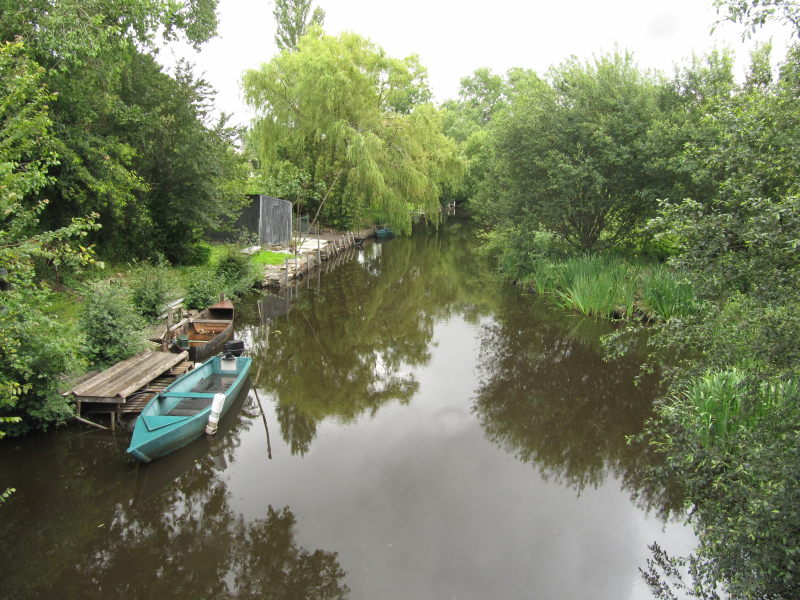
455	37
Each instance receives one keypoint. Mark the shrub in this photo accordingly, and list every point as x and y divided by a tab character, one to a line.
203	289
198	254
35	351
742	479
236	271
111	324
150	289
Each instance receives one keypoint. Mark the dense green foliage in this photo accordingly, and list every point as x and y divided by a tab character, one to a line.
203	288
235	270
150	289
110	324
700	172
571	153
132	142
99	148
35	350
343	128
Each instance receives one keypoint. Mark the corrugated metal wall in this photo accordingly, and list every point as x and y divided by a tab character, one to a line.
269	218
275	223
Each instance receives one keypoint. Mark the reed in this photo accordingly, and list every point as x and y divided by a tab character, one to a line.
606	286
666	294
591	284
722	403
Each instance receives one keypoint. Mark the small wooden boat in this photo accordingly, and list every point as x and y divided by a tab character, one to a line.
384	232
180	413
203	335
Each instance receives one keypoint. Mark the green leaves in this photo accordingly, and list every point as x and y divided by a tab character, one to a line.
340	115
572	153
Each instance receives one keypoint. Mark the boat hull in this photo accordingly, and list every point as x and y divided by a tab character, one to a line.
164	425
205	334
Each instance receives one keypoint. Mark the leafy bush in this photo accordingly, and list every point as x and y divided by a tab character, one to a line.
150	289
203	289
518	249
738	456
111	324
35	351
236	271
198	254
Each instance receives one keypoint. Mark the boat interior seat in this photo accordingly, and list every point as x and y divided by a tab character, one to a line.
154	422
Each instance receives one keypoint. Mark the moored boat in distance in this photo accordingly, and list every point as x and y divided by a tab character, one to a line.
384	232
180	413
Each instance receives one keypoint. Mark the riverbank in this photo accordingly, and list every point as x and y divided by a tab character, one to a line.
310	254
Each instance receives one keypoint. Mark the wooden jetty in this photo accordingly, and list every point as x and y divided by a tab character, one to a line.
128	385
311	254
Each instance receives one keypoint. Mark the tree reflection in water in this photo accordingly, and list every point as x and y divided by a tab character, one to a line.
172	535
547	397
349	348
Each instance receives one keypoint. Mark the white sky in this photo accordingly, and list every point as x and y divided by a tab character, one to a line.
455	37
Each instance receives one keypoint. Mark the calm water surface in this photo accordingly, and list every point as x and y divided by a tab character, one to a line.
427	433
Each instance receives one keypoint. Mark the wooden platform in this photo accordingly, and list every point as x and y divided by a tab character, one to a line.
116	383
129	385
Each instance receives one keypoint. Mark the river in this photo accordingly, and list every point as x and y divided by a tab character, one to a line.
428	432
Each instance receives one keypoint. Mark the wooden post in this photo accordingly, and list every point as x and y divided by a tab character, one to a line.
286	272
170	316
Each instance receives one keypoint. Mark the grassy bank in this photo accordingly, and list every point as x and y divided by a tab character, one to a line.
611	287
157	285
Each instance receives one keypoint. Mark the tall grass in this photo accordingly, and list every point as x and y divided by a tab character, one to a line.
591	284
608	286
666	294
721	403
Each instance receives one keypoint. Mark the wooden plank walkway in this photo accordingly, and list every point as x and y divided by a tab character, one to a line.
115	384
128	386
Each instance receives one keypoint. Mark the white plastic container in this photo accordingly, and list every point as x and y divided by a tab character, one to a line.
216	410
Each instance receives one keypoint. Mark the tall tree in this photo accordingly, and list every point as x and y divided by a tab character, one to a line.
353	127
34	351
293	21
94	53
571	151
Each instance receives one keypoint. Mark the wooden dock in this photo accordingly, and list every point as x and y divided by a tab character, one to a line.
129	385
311	255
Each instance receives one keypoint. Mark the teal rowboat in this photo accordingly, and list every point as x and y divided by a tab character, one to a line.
384	232
178	415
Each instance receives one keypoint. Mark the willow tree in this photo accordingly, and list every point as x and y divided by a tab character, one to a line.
343	127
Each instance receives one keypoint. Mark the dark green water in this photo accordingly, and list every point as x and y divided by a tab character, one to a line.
430	433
